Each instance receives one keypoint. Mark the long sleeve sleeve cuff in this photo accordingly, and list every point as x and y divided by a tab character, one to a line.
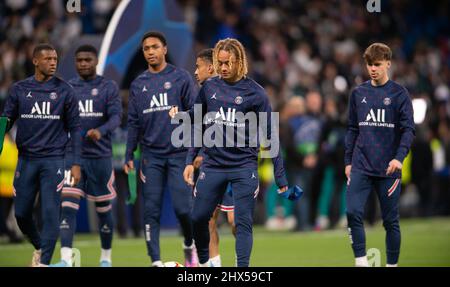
281	181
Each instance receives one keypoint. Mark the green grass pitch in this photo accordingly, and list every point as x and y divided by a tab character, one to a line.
425	242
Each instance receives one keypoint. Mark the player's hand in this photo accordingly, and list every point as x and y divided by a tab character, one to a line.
283	189
348	170
188	174
128	166
75	172
173	111
394	165
198	162
94	134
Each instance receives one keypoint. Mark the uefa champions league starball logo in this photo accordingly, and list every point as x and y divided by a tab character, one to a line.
238	100
73	6
373	6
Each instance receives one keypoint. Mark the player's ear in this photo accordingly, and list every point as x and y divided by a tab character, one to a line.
388	64
165	50
35	61
211	69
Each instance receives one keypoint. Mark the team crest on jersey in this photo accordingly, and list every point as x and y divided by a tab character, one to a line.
238	100
94	92
53	96
387	101
167	85
201	176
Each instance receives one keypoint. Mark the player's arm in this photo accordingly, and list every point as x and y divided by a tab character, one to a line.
198	160
189	92
277	160
407	132
352	133
406	125
199	104
192	158
194	151
192	155
72	122
113	113
188	174
133	131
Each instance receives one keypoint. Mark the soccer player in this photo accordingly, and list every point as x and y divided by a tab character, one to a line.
100	111
379	134
205	70
45	111
152	94
233	92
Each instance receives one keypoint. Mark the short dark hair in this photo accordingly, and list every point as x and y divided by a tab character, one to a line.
86	48
155	34
377	52
42	47
206	54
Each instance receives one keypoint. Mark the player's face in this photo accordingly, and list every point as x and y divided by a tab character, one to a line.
46	62
203	70
378	70
228	66
154	51
86	63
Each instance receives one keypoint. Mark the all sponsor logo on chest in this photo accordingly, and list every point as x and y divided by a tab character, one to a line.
376	118
158	102
86	109
41	111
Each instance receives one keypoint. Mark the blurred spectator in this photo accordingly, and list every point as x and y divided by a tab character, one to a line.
422	169
331	157
280	210
126	216
302	146
8	161
23	24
